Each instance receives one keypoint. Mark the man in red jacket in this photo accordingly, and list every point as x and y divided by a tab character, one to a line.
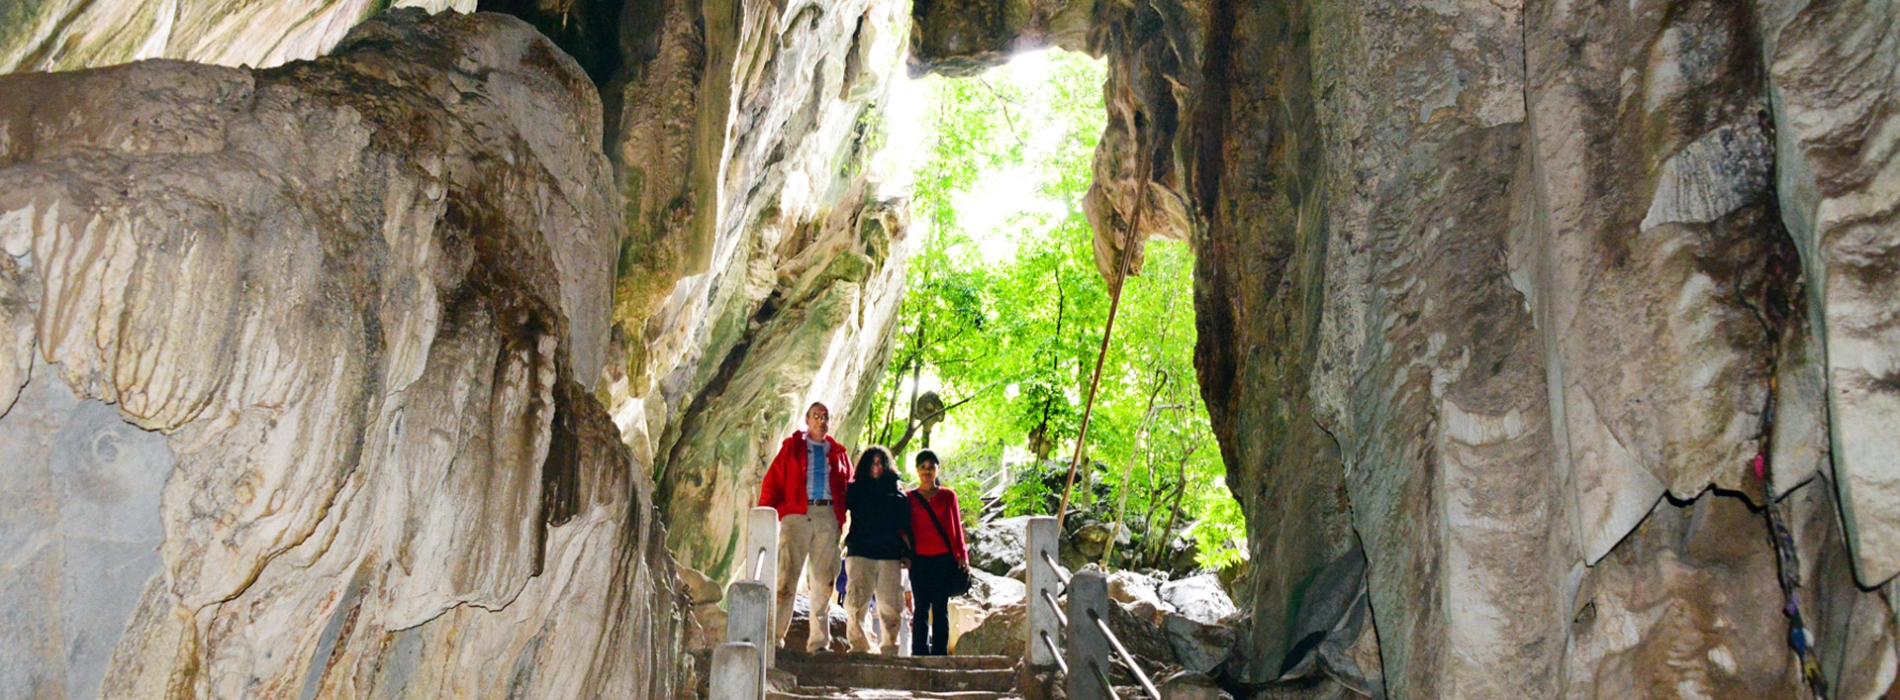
806	483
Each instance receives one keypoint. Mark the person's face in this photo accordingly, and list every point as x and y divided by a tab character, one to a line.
878	467
927	472
817	420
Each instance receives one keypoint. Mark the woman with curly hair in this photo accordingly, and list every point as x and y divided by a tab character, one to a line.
877	543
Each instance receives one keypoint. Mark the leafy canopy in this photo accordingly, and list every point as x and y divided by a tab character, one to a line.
1004	313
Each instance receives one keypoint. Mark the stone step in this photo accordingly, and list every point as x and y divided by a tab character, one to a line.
935	674
964	662
883	694
906	678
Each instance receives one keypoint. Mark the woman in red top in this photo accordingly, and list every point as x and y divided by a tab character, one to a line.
935	557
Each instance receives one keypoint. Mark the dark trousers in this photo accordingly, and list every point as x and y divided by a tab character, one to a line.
930	623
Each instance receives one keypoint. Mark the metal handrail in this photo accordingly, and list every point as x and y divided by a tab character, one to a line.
1055	608
1055	652
1127	658
1102	676
758	565
1040	537
1057	569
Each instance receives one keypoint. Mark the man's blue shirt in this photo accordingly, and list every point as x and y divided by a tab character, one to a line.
818	475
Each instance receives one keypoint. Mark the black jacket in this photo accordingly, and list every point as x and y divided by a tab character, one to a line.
880	520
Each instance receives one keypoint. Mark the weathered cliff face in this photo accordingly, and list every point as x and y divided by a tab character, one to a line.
761	204
42	35
290	358
1498	303
709	234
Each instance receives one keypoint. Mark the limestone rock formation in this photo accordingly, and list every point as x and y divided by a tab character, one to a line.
298	350
1520	323
788	257
1498	304
39	35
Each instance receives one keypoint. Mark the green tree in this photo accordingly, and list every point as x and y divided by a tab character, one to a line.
1004	315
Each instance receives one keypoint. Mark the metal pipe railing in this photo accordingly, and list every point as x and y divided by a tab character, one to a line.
1087	594
1056	568
1053	605
1107	687
758	565
1127	658
1056	650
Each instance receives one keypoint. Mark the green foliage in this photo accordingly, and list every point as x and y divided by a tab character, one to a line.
1004	314
969	488
1220	535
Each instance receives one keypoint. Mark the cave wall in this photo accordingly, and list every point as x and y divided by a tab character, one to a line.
44	35
720	250
1498	302
295	354
1494	300
763	260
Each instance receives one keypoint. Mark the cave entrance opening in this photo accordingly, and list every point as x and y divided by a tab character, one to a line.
1002	322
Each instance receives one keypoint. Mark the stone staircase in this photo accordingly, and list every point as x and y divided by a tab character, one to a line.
856	676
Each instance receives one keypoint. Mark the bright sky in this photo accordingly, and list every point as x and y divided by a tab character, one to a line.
986	211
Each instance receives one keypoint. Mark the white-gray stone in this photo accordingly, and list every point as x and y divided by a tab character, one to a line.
1199	598
79	535
998	545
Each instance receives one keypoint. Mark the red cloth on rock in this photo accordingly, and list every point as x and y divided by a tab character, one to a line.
928	543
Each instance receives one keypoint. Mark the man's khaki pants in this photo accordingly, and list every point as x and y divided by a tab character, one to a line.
867	577
815	535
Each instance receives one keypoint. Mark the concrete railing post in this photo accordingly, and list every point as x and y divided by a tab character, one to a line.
1087	647
738	666
761	533
738	672
748	616
1041	579
761	557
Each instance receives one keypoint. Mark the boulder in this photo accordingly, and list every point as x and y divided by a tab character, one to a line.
1092	539
1199	598
1139	593
999	632
1198	647
999	545
1188	685
988	590
705	626
699	589
1144	639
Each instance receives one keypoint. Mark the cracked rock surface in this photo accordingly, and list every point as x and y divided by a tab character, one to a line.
336	309
1497	304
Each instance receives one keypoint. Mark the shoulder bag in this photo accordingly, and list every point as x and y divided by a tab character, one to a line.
959	581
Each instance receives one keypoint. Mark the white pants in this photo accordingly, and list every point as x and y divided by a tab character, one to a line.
815	535
867	577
